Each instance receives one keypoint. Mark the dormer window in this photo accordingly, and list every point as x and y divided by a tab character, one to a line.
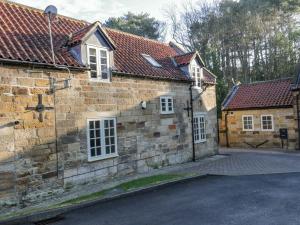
152	61
98	60
197	74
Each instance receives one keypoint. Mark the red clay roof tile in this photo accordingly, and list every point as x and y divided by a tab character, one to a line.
268	94
184	59
24	36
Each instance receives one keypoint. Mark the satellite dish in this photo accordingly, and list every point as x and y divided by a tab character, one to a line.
51	11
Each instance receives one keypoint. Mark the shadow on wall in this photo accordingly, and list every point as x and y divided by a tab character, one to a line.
35	165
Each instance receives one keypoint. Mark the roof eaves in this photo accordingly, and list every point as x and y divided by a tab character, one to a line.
258	108
211	73
47	65
201	60
229	97
97	25
187	80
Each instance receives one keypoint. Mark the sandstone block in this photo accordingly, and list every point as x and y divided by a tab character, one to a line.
20	91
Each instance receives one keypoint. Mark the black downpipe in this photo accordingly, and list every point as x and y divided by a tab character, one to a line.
192	114
298	121
226	130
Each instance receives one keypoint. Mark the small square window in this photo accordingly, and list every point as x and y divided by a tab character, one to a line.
248	123
267	123
166	105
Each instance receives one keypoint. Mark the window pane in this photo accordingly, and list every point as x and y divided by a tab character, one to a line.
111	123
93	59
104	75
93	67
103	68
92	51
112	132
107	149
93	74
97	123
97	133
92	142
112	149
92	152
91	123
103	53
92	134
98	142
106	132
107	141
106	124
99	151
104	61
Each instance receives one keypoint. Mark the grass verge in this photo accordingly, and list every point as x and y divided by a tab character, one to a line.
124	187
130	185
146	181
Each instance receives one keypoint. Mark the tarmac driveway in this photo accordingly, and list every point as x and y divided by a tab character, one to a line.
261	188
214	200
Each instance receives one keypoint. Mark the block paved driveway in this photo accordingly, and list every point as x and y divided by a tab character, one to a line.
250	162
258	189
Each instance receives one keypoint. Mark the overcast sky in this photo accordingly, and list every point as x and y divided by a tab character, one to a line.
92	10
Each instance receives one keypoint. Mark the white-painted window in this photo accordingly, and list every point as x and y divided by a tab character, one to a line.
196	75
248	123
199	122
102	138
267	123
150	60
98	60
166	105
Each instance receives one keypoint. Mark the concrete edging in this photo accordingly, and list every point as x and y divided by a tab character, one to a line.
48	214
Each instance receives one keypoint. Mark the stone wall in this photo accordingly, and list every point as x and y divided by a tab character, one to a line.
296	115
39	159
283	118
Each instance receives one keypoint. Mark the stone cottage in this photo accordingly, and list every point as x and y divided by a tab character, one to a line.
259	114
100	104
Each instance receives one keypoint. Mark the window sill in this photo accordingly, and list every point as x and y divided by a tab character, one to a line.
166	113
268	130
98	158
199	142
99	80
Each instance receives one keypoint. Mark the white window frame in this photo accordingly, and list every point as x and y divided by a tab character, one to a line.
102	136
261	122
98	59
197	76
200	137
167	111
252	122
